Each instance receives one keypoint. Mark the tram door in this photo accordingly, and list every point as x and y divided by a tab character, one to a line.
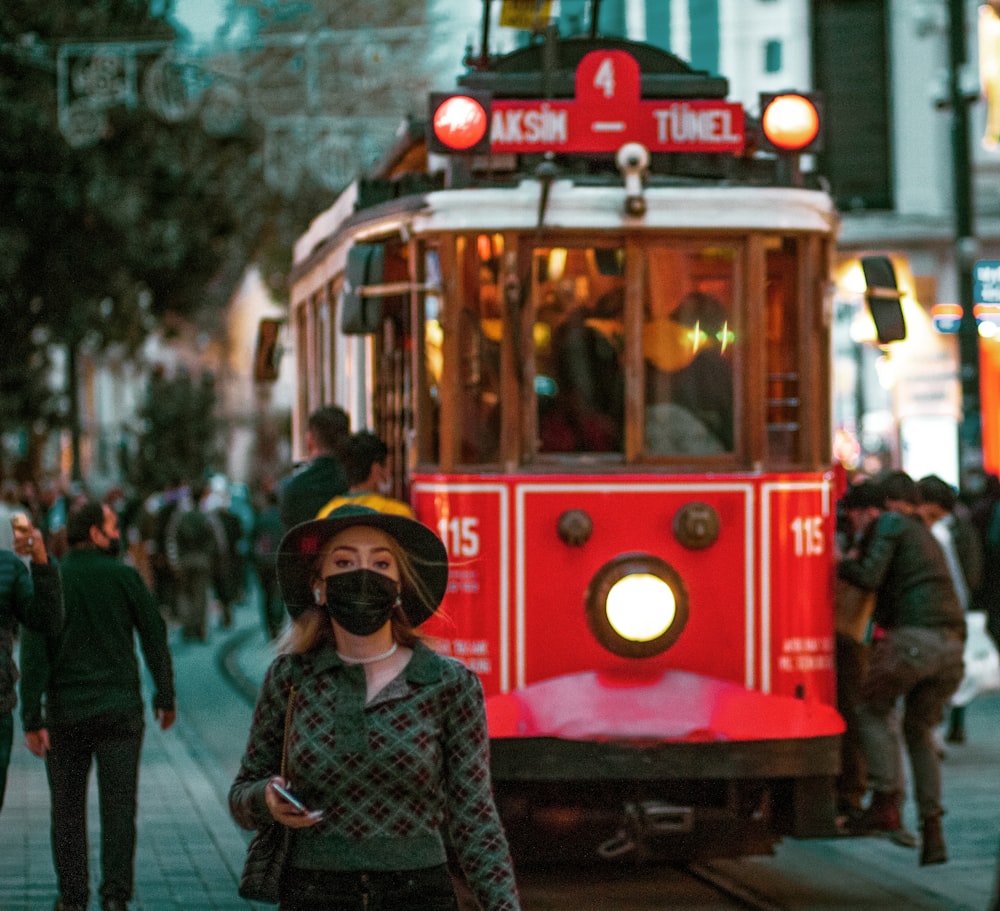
391	379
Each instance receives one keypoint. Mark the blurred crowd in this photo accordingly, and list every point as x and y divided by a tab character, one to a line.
200	545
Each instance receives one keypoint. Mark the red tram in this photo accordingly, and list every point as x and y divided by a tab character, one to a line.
596	340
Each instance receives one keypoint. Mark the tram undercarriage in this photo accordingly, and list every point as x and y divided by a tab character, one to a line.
631	819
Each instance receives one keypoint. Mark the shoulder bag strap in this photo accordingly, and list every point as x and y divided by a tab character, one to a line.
288	727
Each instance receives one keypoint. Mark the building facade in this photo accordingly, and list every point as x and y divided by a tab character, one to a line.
884	71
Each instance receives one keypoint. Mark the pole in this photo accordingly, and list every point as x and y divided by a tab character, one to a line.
970	438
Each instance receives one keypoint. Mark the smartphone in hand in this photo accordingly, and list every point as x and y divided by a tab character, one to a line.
289	797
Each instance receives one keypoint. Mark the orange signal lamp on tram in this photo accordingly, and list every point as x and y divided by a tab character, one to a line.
791	122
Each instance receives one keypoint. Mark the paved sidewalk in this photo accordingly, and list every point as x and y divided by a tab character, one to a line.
190	852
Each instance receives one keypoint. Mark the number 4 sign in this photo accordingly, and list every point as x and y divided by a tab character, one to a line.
608	111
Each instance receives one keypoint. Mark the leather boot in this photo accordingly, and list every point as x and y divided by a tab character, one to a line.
932	850
882	815
956	725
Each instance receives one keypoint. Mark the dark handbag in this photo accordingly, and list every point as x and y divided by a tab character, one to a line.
268	849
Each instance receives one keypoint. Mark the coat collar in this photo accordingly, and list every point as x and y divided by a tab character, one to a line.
424	667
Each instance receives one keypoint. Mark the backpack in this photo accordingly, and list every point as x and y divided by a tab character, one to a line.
194	533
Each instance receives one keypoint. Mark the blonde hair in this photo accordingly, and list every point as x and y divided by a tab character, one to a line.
313	627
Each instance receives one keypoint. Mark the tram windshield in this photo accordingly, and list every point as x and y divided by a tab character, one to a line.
633	351
688	350
578	339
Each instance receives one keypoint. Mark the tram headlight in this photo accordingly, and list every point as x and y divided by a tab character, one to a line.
637	605
641	607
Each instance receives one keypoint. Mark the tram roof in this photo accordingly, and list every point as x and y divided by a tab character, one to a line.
573	207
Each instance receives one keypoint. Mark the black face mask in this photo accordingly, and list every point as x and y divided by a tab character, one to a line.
361	600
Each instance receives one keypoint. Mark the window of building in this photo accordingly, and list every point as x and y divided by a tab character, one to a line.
772	56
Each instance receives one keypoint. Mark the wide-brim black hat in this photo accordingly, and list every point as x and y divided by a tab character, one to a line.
300	547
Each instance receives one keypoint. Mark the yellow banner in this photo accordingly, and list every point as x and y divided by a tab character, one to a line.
526	14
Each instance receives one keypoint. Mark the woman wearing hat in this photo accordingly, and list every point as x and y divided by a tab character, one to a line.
387	748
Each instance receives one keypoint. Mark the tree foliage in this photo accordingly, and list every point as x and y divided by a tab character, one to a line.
99	245
166	456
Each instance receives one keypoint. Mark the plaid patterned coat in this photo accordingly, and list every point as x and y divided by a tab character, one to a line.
396	778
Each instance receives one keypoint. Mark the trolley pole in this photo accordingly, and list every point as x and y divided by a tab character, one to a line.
970	448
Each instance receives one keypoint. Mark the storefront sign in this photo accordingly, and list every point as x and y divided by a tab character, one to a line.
986	282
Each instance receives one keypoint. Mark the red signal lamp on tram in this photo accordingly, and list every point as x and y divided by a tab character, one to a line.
791	122
459	123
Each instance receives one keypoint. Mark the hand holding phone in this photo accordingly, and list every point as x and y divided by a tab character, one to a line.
288	796
309	817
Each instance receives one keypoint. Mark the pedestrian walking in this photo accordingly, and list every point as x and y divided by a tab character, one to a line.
196	548
995	903
10	505
302	494
916	656
861	505
963	553
386	740
30	594
266	535
230	570
986	517
159	509
366	463
81	700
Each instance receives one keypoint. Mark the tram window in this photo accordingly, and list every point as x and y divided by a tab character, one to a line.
477	320
324	345
688	347
578	337
783	387
481	328
433	359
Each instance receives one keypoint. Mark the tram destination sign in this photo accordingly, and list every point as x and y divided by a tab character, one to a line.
608	112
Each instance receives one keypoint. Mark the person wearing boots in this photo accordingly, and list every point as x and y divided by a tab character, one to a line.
916	656
860	508
962	549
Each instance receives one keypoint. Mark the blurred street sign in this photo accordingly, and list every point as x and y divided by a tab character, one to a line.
986	282
525	14
946	318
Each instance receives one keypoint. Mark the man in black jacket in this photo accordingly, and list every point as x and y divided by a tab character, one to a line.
916	655
308	490
81	698
30	594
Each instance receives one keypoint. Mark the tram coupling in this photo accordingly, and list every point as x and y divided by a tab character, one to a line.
644	822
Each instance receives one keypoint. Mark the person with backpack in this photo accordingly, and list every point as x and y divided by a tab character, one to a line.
196	549
266	535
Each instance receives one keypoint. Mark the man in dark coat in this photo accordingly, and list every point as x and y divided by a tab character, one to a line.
916	655
304	493
81	698
30	594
